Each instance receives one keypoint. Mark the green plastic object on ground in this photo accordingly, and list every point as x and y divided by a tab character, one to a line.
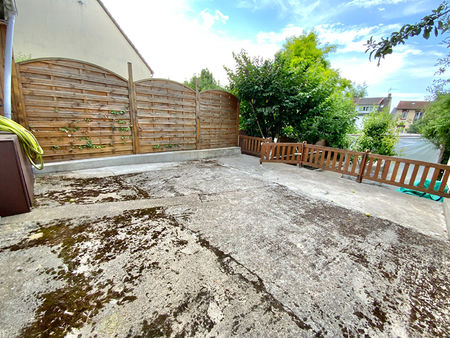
437	186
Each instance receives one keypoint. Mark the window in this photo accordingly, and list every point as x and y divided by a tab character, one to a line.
418	115
364	108
404	113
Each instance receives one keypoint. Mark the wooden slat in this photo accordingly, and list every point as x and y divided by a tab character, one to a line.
387	163
434	178
444	181
424	176
394	173
414	174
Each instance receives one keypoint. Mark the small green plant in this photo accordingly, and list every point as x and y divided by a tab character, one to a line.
157	146
68	130
121	122
172	146
122	112
56	147
124	129
89	144
87	120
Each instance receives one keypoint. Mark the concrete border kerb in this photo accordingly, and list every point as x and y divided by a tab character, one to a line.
174	156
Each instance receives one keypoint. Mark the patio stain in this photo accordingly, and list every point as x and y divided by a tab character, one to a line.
83	296
87	190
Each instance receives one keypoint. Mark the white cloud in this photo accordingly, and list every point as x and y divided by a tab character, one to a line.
308	13
176	45
209	19
372	3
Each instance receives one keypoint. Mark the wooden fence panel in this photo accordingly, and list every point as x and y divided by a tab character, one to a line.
252	145
218	117
406	173
290	153
166	116
79	110
333	159
76	109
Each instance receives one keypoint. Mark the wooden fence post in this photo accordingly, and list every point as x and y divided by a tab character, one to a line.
17	99
133	109
362	166
238	113
302	156
263	151
197	116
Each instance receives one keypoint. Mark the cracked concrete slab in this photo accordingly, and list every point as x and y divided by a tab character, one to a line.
221	248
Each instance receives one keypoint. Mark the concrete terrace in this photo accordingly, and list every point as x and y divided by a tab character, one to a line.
222	247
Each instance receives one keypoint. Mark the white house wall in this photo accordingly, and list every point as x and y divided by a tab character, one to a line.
76	29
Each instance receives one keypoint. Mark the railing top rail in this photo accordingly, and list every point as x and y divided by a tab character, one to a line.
283	144
351	152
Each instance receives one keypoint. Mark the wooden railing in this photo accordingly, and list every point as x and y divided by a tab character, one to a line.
395	170
363	165
252	145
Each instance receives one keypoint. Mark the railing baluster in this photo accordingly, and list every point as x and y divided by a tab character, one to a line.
347	162
328	159
434	178
394	173
377	168
404	173
414	174
424	176
333	160
444	180
387	163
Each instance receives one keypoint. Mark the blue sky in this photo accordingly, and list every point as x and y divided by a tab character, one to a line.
180	37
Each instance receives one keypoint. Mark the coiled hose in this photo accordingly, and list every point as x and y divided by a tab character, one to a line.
29	143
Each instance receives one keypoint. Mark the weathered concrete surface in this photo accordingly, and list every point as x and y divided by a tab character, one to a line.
420	214
217	248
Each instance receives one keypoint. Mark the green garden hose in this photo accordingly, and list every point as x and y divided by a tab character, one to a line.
29	143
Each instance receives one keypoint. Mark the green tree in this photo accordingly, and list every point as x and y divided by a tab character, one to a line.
205	81
379	134
436	123
358	91
414	128
295	94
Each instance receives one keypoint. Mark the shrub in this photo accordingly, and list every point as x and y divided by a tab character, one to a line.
379	134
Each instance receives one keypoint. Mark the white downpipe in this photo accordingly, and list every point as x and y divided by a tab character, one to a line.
8	60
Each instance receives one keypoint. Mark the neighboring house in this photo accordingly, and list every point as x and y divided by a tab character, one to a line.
407	112
75	29
366	105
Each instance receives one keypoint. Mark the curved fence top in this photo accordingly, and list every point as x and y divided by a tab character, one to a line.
68	60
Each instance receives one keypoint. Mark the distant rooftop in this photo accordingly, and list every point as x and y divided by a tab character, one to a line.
370	101
403	105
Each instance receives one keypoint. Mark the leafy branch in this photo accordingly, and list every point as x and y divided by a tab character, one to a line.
436	23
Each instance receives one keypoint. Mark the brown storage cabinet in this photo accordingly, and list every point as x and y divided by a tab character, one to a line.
16	177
